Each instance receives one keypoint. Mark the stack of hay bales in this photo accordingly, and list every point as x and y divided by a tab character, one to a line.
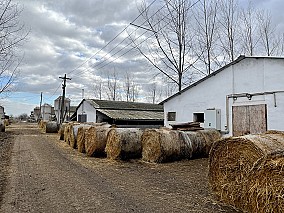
164	145
123	144
248	172
96	140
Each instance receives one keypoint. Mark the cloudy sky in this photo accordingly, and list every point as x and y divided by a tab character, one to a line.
70	36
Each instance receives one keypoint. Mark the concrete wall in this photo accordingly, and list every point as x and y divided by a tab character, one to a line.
250	75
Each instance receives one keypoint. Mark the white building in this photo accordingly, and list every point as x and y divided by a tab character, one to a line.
120	113
47	112
2	113
245	96
57	108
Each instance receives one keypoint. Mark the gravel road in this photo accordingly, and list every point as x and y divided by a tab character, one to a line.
46	175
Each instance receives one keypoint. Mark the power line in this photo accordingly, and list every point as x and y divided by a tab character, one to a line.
111	39
103	61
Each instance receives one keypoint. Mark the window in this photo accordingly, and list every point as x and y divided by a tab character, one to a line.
198	117
82	118
171	116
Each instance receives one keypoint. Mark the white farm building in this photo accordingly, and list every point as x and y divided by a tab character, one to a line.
243	97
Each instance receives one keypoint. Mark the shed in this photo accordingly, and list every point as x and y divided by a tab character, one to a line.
121	113
244	97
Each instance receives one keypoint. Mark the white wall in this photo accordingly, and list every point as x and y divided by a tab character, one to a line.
250	75
87	108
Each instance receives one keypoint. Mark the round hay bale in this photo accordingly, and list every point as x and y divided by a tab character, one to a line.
234	172
6	122
68	132
61	131
81	137
50	127
42	124
123	144
73	133
2	126
265	186
163	145
96	142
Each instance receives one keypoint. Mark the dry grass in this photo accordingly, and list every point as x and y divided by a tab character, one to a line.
247	172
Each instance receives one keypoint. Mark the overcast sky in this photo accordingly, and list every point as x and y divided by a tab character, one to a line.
66	36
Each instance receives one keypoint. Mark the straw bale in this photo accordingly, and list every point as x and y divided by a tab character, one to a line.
42	124
6	122
164	145
68	132
2	126
61	131
81	137
96	142
123	144
244	172
50	127
73	133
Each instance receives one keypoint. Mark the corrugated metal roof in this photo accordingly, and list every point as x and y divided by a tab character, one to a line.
132	114
103	104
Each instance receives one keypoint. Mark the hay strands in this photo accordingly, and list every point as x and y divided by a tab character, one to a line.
248	172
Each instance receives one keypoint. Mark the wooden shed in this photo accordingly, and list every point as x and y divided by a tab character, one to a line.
121	113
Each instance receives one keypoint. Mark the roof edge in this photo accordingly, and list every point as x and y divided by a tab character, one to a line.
240	58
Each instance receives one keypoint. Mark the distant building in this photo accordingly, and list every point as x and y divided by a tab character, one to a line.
47	112
120	113
57	108
36	113
2	113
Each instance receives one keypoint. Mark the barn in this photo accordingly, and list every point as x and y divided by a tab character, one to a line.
243	97
120	113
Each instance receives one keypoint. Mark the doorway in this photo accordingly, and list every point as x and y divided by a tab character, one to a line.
249	119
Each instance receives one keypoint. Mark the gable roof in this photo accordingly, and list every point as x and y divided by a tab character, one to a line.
123	105
240	58
122	110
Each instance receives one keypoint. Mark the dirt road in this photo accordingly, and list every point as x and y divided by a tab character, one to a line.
46	175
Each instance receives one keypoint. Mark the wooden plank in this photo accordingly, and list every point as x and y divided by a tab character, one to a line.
258	118
240	120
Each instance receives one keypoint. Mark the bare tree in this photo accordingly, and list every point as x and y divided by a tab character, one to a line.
249	35
98	89
127	86
228	20
170	47
134	92
206	29
12	35
154	93
268	38
112	85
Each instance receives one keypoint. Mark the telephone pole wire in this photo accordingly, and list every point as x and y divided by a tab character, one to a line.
63	97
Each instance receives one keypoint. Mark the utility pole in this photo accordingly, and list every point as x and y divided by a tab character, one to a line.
39	116
63	97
